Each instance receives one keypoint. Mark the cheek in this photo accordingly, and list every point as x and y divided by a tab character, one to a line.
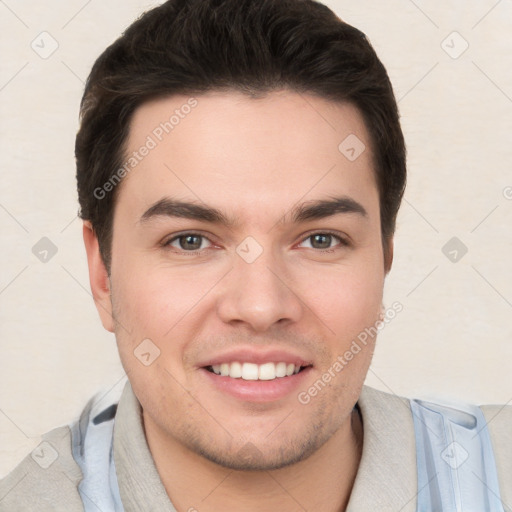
345	299
349	306
151	298
163	304
153	314
139	302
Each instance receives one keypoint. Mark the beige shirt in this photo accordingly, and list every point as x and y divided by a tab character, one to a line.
386	480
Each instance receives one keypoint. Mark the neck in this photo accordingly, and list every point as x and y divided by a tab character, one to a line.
321	482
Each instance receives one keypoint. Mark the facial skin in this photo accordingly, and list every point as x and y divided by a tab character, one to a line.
255	161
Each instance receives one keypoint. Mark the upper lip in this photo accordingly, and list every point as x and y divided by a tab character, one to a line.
261	356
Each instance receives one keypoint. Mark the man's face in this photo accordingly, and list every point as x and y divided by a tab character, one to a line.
258	290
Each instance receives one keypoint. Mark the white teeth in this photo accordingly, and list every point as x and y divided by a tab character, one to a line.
235	371
267	371
252	371
281	370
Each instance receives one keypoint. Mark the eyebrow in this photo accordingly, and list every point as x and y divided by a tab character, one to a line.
168	207
311	210
320	209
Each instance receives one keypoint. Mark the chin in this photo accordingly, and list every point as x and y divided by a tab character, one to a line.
263	456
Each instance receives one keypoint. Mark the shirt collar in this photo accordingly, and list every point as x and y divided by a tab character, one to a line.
386	479
140	486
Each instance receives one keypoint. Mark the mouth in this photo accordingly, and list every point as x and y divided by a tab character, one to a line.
268	382
252	374
256	372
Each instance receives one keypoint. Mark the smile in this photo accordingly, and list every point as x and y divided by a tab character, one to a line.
252	371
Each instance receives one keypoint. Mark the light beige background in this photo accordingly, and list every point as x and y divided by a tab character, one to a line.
454	336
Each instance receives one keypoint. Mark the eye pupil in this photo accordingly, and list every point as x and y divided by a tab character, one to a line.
190	242
321	241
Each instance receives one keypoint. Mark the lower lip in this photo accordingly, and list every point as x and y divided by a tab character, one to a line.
257	390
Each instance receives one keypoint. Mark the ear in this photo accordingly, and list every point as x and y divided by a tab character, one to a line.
98	277
388	254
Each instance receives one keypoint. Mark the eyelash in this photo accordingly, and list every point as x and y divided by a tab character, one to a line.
343	242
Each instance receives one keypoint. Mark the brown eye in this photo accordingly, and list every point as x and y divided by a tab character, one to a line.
321	241
188	242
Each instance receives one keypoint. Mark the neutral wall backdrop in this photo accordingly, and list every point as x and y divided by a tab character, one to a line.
450	63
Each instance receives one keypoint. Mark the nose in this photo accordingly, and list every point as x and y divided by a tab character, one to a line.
258	294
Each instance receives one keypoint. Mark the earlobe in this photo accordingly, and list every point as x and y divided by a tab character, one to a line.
98	277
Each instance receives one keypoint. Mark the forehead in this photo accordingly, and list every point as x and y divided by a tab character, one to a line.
227	147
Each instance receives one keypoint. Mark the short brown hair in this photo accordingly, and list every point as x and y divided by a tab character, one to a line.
253	46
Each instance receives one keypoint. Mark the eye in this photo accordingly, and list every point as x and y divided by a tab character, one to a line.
323	241
188	242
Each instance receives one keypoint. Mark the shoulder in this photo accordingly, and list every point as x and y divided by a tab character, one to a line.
499	424
383	401
47	479
498	420
498	417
